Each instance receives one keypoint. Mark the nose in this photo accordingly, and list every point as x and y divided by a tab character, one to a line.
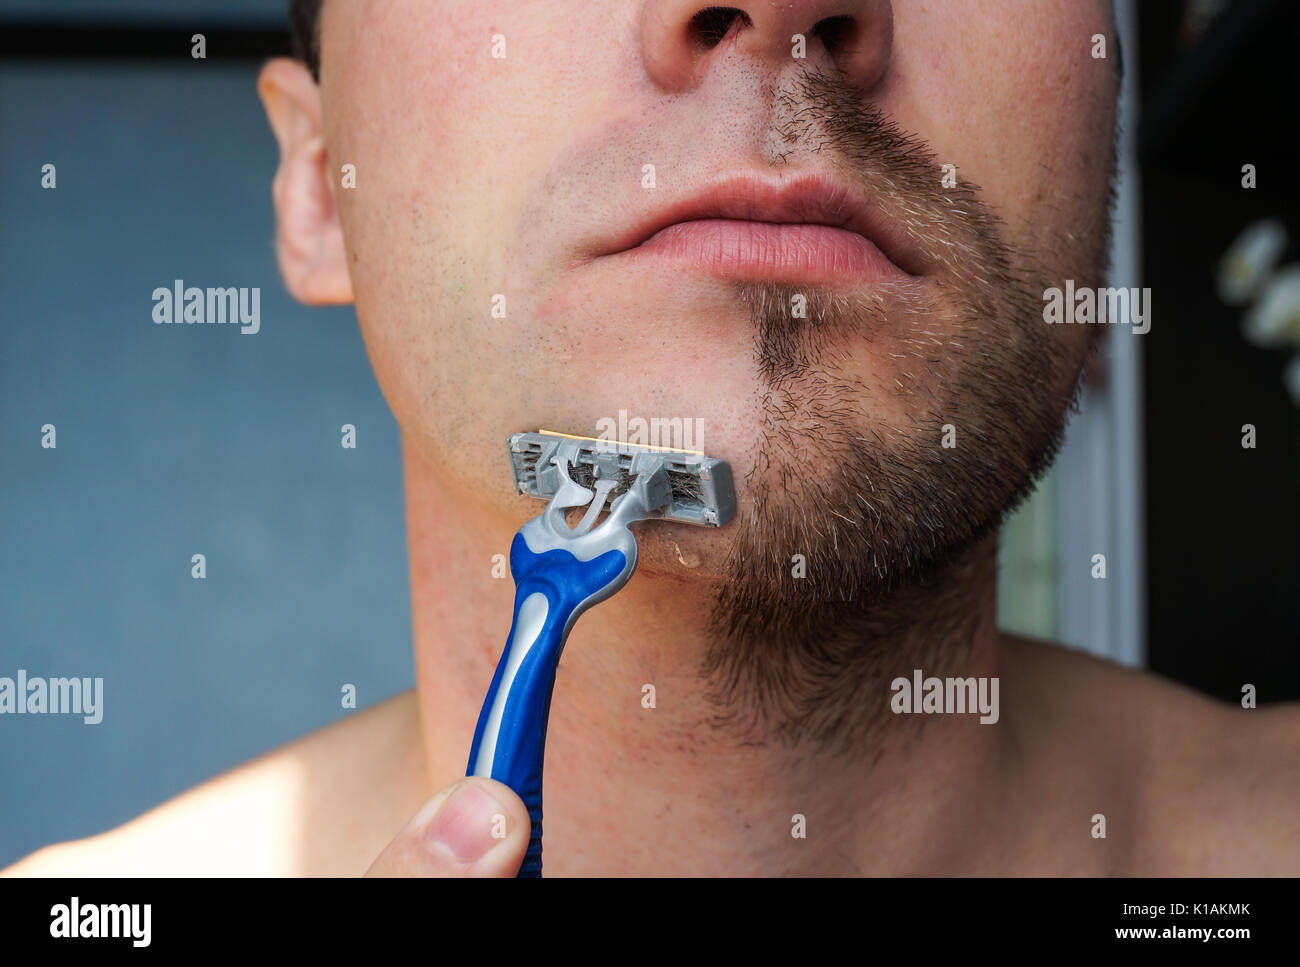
681	38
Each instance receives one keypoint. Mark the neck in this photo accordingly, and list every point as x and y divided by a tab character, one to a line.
666	789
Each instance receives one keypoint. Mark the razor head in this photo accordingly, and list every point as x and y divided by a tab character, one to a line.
679	485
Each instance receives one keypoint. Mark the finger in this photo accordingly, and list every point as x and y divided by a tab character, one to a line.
475	827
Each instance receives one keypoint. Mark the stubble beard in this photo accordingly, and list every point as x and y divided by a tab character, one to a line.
853	561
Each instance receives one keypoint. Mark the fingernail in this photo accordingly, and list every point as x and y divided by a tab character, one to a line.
463	825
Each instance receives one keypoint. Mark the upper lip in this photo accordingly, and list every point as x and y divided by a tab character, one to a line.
809	199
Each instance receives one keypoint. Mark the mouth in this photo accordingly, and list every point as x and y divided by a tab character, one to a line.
747	228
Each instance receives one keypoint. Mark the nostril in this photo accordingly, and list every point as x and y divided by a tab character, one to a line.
835	33
710	25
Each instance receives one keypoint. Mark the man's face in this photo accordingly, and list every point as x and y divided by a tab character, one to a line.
524	182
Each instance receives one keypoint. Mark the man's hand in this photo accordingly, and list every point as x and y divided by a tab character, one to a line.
474	827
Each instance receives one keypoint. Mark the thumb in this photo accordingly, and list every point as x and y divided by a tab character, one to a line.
474	827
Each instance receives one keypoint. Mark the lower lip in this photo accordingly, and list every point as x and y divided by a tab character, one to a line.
771	252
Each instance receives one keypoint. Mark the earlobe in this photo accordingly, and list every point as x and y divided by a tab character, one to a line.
309	236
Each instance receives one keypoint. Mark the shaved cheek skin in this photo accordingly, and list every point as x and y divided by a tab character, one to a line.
426	138
449	145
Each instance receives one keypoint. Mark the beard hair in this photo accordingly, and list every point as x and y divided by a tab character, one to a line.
887	519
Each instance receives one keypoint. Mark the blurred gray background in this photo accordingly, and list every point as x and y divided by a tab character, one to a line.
173	440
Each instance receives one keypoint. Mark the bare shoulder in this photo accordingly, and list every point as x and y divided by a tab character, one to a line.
1208	788
1227	800
325	804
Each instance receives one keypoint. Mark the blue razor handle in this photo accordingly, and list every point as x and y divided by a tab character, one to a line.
559	573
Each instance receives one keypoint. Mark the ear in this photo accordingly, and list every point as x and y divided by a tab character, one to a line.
309	238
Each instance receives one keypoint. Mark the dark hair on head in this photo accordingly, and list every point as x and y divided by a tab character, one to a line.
304	32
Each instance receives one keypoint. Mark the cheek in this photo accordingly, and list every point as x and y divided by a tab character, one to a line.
449	143
433	180
1011	94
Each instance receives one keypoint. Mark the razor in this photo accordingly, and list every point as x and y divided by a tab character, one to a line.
561	571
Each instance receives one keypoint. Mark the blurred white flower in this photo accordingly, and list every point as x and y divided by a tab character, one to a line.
1291	376
1249	259
1274	320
